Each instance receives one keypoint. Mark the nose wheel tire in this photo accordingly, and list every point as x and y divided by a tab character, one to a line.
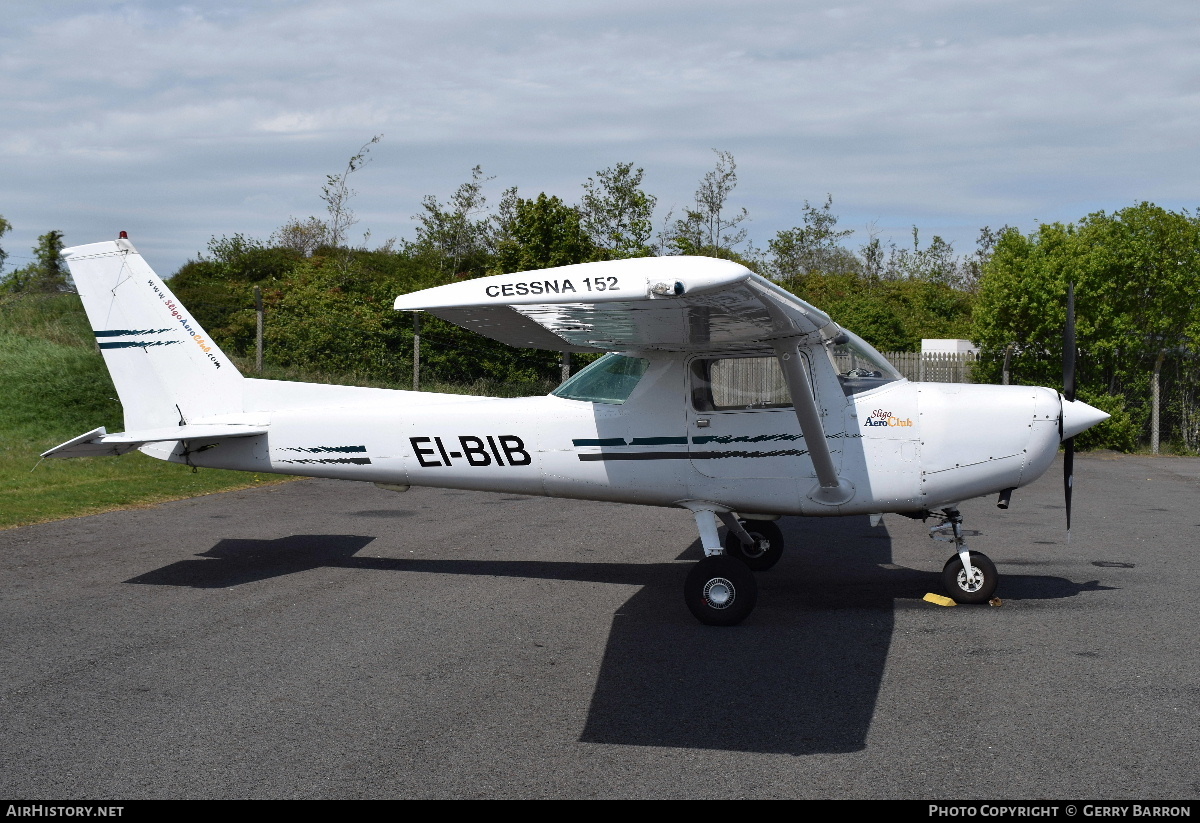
979	587
720	591
767	548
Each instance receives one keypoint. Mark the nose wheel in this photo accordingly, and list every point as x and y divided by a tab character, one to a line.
976	587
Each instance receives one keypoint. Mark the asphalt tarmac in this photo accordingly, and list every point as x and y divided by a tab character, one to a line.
326	639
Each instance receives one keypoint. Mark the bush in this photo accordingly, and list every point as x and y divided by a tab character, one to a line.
1119	432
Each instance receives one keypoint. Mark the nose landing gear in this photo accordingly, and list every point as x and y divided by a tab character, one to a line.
969	577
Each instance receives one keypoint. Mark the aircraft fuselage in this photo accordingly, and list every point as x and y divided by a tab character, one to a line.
902	446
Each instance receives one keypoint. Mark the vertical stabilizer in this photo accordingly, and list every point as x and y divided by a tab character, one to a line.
166	369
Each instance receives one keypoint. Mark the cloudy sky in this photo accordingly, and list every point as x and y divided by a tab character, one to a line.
181	122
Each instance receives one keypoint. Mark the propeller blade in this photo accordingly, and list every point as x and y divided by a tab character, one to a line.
1068	479
1069	395
1069	346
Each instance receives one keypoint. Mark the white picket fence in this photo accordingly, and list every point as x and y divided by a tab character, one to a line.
935	367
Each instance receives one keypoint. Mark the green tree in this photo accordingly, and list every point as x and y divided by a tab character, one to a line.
813	247
301	236
458	233
866	310
219	287
545	232
5	228
971	268
710	228
504	221
892	315
616	213
872	256
48	272
337	195
936	262
1137	279
314	323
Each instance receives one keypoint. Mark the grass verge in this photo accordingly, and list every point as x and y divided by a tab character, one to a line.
54	386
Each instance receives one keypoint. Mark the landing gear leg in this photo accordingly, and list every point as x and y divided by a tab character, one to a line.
969	577
720	590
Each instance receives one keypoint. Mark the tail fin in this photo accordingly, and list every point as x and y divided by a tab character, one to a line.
167	370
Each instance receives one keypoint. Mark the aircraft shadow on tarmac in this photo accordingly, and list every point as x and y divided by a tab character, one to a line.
800	676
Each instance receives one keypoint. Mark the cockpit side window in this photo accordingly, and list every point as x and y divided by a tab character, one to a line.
726	384
611	379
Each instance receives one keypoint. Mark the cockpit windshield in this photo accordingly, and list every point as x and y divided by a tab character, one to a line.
858	365
611	379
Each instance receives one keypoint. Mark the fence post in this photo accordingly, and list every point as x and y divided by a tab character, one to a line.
1154	396
566	365
258	336
1007	362
416	351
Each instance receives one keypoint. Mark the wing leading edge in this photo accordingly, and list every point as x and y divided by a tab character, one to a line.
667	303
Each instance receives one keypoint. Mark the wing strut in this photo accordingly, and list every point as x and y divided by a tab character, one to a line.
831	489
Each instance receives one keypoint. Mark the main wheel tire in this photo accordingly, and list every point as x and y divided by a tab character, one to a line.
981	586
767	548
720	591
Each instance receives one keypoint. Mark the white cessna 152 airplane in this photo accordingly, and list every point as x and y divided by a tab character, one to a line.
719	392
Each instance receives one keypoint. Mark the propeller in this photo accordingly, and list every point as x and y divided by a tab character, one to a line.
1069	396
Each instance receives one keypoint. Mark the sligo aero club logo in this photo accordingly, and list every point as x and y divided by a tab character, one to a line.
879	417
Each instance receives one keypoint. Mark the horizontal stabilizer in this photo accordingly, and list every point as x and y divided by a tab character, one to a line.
98	443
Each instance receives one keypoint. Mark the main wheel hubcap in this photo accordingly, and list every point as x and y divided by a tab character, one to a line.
719	593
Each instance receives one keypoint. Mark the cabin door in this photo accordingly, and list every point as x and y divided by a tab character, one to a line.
741	423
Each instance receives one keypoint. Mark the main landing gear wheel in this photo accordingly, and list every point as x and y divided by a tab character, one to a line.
981	585
720	591
767	548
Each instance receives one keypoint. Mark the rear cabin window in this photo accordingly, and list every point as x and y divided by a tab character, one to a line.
739	383
611	379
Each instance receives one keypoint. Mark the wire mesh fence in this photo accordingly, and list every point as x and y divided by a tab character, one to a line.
1154	399
1155	402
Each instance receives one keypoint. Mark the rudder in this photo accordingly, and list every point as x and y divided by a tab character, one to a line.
166	369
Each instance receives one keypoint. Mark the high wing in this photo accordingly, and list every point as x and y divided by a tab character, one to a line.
665	303
676	304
